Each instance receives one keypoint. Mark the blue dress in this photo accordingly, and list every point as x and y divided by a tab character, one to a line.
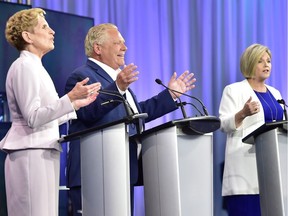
272	109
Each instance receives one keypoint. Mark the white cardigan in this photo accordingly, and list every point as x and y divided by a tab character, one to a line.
240	171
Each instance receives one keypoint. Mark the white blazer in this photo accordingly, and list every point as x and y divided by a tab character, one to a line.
34	105
240	171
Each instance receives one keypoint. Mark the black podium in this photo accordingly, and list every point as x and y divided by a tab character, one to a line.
178	167
105	175
271	146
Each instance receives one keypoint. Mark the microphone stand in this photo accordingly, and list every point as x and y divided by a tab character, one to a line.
184	103
180	104
195	107
131	116
127	107
281	101
285	113
158	81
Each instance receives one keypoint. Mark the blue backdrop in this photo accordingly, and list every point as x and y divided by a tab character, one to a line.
206	37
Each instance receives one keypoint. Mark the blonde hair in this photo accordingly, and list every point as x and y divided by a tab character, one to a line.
250	58
97	34
24	20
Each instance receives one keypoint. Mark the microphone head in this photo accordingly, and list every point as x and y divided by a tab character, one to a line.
281	101
158	81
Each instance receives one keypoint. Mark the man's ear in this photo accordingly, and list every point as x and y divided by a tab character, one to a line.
97	48
26	37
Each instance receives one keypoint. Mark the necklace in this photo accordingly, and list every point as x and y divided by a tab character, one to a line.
276	110
268	105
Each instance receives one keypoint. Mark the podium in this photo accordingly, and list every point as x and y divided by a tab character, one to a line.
178	167
105	172
271	146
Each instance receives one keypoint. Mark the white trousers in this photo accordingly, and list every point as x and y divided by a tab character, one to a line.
32	182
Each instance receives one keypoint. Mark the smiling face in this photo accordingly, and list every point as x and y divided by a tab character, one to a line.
263	67
41	39
112	51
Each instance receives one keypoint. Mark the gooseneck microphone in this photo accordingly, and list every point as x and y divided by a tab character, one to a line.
127	106
181	105
185	103
131	116
158	81
282	101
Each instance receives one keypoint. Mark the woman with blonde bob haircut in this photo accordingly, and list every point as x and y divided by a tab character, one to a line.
251	57
32	165
245	106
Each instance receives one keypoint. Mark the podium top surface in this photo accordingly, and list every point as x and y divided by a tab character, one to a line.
191	126
250	138
126	120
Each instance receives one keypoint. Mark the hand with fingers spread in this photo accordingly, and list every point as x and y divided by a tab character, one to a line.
127	76
183	83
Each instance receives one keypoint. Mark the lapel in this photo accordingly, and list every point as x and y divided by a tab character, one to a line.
135	100
99	71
